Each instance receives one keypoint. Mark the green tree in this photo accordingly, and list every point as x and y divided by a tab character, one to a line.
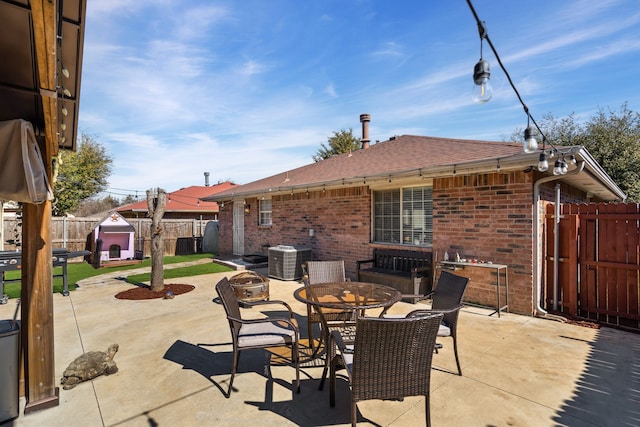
612	138
95	205
340	143
80	174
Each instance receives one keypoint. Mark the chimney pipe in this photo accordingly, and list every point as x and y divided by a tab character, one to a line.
206	179
365	119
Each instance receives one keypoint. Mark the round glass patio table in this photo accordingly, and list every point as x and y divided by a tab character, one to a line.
356	296
348	296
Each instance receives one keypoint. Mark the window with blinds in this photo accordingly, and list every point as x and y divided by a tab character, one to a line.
403	216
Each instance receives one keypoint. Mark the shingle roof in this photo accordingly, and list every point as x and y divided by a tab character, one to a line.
397	155
186	199
408	158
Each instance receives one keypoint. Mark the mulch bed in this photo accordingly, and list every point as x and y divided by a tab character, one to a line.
142	292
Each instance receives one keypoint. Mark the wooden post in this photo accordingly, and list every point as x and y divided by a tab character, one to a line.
37	309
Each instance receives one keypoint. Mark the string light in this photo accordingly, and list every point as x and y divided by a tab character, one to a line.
530	143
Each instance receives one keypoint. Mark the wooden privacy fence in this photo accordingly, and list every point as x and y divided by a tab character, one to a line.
598	262
72	233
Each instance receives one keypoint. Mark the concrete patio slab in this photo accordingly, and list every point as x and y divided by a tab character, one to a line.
175	361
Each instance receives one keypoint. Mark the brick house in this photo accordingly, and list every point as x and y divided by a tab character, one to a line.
475	198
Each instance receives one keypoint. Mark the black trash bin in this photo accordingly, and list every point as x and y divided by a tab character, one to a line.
9	369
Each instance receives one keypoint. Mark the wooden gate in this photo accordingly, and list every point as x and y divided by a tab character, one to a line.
598	262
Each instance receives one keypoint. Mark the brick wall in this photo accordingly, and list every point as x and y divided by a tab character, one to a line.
487	217
482	216
340	219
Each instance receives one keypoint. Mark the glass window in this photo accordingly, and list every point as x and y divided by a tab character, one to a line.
265	212
403	216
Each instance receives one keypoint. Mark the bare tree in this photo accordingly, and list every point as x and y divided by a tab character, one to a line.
156	202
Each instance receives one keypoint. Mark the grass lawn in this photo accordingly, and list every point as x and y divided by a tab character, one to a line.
193	270
79	271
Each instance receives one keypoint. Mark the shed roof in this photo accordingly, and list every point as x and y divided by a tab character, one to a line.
408	157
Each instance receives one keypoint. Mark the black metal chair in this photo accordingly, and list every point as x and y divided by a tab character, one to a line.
258	333
390	359
447	300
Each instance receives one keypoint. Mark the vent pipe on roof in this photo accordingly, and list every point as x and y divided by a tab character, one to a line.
365	119
206	179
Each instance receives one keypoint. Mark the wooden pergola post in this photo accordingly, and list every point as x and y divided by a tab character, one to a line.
37	281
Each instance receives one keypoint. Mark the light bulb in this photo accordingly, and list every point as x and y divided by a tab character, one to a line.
64	110
557	168
564	168
543	164
530	143
482	90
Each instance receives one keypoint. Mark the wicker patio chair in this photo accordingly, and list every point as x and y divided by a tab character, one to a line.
390	359
258	333
447	300
324	272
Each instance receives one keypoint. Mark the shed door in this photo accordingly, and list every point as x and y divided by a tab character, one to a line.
238	228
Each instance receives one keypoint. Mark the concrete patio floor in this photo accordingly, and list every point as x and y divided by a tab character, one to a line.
175	360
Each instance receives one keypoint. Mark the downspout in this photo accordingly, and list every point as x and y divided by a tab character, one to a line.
556	247
538	310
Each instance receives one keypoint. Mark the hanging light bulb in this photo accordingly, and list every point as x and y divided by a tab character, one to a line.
65	72
482	90
64	110
66	92
543	164
63	126
530	143
557	168
564	168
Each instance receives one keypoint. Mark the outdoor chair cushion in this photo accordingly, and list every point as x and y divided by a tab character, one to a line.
264	334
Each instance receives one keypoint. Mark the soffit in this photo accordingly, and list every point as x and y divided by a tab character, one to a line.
34	45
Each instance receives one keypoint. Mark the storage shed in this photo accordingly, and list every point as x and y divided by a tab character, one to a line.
114	238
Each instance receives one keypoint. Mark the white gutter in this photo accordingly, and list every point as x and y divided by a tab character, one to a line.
538	310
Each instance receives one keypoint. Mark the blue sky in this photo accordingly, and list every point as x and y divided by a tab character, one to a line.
247	89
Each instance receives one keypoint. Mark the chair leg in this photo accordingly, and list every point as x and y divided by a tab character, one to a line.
427	409
332	384
455	351
234	367
354	413
295	357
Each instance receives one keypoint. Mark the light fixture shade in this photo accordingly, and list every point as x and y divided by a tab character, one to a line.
530	143
557	168
543	164
482	90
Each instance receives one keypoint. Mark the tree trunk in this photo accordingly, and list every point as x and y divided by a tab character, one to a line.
156	202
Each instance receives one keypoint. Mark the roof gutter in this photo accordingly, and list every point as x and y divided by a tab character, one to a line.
538	310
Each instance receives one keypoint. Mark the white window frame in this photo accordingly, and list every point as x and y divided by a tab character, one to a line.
265	212
394	216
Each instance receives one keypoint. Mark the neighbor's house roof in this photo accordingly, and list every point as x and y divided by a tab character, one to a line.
406	158
185	200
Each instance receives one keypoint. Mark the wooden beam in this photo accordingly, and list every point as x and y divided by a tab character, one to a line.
37	283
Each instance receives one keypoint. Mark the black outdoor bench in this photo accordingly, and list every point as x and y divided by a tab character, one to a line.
408	271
